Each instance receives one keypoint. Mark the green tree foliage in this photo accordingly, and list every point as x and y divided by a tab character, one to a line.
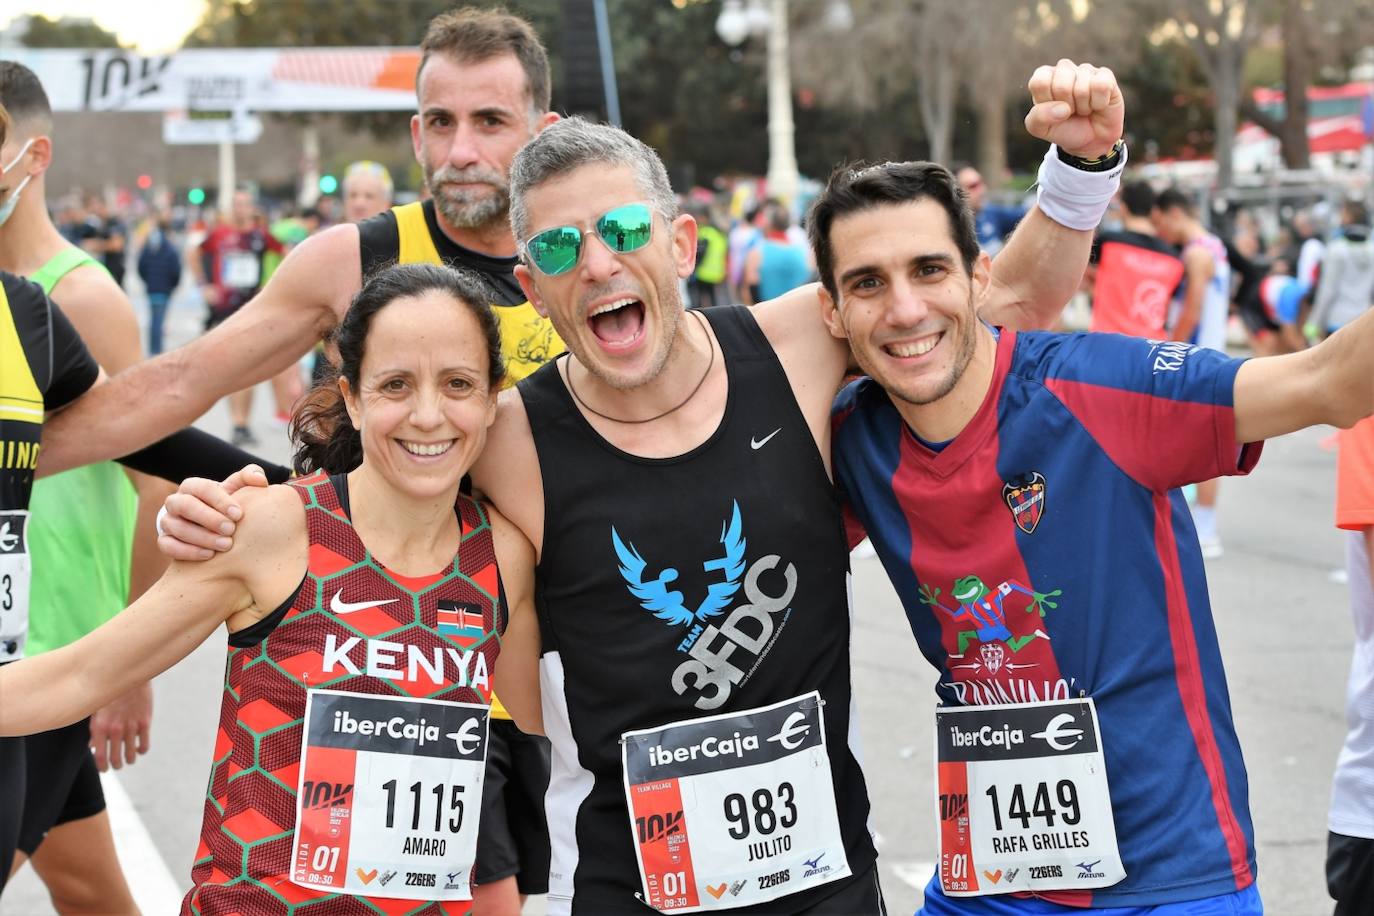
67	33
703	105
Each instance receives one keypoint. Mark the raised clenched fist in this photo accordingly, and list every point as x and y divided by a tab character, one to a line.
1077	106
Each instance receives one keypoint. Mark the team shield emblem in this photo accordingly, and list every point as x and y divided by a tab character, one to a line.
1025	497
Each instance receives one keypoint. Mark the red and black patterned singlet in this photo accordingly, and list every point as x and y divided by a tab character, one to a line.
391	638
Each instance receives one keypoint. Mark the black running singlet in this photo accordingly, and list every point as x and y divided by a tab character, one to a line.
681	588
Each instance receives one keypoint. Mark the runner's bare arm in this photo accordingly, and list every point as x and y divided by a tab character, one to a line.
165	625
507	471
299	305
1036	273
1080	108
1330	383
1199	269
103	315
121	730
517	668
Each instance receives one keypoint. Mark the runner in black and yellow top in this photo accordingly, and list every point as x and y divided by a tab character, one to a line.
483	92
92	540
43	366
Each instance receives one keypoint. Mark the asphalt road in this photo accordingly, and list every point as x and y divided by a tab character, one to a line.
1284	628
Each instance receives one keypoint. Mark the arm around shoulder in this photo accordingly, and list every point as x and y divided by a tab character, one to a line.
517	667
1036	273
160	396
794	325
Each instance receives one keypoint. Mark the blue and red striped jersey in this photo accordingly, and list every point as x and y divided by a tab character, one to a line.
1046	553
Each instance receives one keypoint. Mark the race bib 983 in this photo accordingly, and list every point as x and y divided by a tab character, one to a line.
732	810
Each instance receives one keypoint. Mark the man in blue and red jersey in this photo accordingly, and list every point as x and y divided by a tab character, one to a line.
1085	746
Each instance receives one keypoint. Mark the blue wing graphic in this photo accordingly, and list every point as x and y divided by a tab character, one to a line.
719	594
653	595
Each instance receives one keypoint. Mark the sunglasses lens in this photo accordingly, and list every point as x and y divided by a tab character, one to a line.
554	251
626	228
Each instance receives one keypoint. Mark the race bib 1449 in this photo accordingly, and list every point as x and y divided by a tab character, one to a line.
1022	802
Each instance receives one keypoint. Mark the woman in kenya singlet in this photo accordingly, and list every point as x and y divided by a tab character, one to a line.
365	603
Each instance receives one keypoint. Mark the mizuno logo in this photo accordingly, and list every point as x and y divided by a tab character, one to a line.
338	606
760	443
7	540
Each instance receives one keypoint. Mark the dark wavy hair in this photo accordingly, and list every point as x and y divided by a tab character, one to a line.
321	431
854	188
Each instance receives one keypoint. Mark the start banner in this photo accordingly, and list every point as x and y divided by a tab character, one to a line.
235	79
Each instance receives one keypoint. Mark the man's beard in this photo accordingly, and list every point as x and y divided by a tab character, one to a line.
466	209
669	316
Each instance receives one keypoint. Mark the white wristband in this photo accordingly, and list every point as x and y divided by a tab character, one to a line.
1072	197
161	514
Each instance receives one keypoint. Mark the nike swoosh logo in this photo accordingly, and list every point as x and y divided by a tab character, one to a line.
339	606
760	443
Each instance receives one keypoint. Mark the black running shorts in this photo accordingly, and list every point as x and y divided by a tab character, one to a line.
63	782
1350	873
514	836
11	801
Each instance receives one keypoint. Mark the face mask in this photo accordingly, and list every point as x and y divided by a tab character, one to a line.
8	206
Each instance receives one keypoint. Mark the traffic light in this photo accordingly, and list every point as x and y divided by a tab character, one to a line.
145	182
328	184
195	197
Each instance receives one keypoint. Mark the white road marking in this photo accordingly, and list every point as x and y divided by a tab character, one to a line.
152	884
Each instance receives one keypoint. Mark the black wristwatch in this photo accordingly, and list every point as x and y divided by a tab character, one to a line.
1101	164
